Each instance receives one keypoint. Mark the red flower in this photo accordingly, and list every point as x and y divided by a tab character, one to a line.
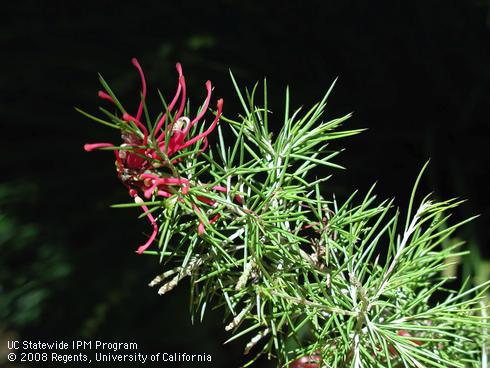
144	153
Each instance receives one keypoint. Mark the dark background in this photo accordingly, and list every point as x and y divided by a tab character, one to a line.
416	74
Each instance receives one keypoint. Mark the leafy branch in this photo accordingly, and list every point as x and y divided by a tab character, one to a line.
301	274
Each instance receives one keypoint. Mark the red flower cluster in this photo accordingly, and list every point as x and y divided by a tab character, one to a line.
143	154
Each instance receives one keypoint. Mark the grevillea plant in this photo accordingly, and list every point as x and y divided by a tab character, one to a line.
308	280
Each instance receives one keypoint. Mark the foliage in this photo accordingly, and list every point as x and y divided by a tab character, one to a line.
350	283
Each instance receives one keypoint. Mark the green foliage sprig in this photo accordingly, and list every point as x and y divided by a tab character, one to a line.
302	274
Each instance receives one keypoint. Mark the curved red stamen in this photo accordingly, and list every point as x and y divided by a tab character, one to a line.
92	146
171	181
105	96
219	188
204	108
215	218
174	181
152	237
179	113
137	65
209	130
163	193
201	229
148	176
204	146
182	99
165	181
171	106
140	125
149	191
159	180
178	66
206	200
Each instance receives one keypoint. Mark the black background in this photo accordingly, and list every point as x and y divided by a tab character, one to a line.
416	74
